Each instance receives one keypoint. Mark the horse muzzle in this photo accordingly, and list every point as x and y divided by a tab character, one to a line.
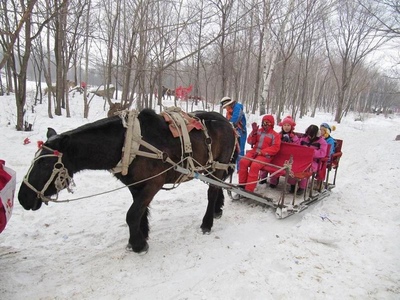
28	199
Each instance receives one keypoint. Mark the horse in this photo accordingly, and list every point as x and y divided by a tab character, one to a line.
114	109
70	85
98	146
168	92
51	89
104	92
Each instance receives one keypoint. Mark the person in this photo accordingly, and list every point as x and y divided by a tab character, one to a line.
326	133
236	115
265	142
312	138
287	136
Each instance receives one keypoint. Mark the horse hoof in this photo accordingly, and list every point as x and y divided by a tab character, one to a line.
206	230
218	215
141	252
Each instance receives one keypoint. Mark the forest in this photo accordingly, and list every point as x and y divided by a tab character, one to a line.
274	56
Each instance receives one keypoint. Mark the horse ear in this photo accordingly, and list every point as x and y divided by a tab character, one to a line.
50	132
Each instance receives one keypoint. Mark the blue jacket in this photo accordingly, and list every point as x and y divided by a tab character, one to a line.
331	141
238	119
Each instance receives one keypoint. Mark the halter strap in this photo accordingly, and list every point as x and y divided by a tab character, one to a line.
60	175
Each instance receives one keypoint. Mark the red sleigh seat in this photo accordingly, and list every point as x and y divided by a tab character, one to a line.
301	158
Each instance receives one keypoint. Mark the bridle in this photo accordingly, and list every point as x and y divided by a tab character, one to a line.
60	174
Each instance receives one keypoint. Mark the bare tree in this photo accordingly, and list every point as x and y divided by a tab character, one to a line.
351	34
86	101
267	49
18	56
224	8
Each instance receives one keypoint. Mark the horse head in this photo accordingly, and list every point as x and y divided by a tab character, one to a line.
48	173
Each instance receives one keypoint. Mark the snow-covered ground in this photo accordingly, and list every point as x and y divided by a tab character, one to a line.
345	247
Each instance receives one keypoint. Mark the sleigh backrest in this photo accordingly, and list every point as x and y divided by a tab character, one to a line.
334	163
302	160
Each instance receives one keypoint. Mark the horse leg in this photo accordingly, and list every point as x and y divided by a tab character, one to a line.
137	217
134	218
144	223
219	204
208	218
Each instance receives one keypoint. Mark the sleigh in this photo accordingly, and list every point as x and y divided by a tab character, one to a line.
142	151
292	161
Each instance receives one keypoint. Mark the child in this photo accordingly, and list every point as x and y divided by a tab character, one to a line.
312	138
287	136
287	133
265	144
326	133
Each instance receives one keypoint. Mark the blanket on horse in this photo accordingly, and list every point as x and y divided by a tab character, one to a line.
179	121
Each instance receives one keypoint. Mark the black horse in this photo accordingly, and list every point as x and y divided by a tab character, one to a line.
98	146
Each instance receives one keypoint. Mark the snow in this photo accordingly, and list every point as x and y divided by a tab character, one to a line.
344	247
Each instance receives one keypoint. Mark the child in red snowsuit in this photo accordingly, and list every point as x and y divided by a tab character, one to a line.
265	144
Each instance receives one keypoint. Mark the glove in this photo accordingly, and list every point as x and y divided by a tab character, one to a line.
255	127
286	138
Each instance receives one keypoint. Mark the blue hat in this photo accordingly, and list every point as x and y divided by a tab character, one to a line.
325	125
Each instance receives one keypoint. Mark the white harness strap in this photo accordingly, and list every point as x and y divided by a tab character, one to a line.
132	142
180	123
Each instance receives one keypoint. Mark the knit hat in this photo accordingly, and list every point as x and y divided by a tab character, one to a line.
325	125
313	131
288	120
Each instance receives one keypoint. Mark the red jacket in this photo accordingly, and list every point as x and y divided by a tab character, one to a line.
267	143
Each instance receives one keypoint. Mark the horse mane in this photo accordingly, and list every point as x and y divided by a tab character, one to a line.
209	115
60	140
95	125
148	112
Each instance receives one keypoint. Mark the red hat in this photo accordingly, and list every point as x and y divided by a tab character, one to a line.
288	120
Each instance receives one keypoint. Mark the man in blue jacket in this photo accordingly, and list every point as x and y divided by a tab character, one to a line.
236	115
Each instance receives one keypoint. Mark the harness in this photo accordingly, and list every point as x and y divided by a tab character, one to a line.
60	174
132	143
133	140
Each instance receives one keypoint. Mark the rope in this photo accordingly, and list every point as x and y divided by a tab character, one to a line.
113	190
